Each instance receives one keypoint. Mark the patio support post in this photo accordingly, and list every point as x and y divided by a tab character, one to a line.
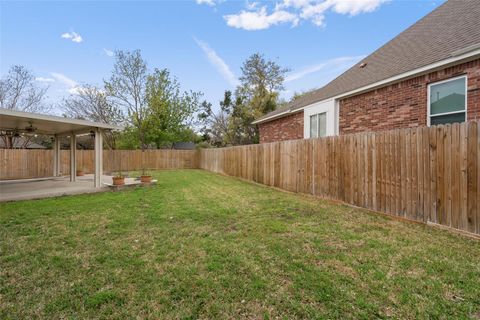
73	157
98	158
56	156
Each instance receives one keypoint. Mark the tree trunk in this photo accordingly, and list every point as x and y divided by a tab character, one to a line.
9	142
143	146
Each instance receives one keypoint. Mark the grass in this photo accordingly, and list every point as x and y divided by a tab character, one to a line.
200	245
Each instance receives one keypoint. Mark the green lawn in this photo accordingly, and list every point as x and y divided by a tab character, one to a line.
200	245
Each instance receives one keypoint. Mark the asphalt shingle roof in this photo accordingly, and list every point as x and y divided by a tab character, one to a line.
450	28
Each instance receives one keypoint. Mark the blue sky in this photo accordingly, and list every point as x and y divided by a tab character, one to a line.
202	42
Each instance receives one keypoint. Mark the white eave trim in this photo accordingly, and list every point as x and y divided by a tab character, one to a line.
278	115
416	72
412	73
43	117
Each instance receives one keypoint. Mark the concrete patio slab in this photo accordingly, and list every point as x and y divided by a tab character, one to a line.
47	188
29	189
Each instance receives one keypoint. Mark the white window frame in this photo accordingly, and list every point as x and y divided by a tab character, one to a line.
429	116
330	106
317	115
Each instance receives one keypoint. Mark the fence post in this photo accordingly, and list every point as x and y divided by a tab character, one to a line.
73	157
56	156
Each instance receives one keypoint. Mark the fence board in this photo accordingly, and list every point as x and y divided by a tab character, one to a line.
426	172
463	178
433	174
472	177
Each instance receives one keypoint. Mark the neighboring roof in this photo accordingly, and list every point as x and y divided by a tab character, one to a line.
184	146
46	124
450	30
445	104
21	143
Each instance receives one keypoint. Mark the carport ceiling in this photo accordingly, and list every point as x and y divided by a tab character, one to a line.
12	120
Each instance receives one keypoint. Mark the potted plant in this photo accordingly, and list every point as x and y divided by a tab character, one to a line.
118	179
80	172
145	177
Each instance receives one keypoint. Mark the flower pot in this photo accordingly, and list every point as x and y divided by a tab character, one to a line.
80	173
146	179
118	181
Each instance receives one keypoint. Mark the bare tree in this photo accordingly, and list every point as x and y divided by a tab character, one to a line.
91	103
18	91
219	132
127	88
216	127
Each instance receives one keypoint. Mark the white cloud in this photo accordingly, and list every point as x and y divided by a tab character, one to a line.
75	37
207	2
251	5
218	63
42	79
341	62
315	12
70	84
293	3
64	79
303	72
259	19
354	7
109	53
293	11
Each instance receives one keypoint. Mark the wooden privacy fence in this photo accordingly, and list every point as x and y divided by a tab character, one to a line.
22	163
126	160
427	174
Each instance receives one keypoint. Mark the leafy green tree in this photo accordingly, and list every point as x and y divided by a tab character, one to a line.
257	94
128	139
171	111
260	84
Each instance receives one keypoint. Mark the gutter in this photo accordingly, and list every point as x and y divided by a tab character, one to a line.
278	115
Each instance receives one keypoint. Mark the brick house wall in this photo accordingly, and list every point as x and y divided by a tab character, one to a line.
404	104
399	105
286	128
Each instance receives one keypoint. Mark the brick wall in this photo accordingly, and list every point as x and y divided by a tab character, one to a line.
286	128
404	104
399	105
